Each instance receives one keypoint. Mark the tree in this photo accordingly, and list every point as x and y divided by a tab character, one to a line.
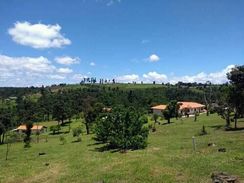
6	121
171	110
236	94
27	138
55	128
28	112
90	112
122	129
155	118
208	96
62	109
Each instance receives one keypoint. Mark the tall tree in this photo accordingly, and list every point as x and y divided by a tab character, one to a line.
236	95
171	110
7	120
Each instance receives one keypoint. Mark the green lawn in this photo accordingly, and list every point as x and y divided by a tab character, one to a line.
168	158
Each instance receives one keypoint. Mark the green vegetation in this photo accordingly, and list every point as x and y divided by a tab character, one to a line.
117	118
122	129
169	156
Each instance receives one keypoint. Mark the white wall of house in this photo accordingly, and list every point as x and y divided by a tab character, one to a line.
158	112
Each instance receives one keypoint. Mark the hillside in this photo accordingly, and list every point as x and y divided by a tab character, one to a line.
169	156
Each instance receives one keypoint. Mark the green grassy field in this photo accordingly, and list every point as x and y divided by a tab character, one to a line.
124	86
169	157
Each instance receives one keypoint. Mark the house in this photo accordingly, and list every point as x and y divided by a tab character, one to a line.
185	108
34	129
191	108
158	109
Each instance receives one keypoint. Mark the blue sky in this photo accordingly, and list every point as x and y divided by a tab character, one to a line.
47	42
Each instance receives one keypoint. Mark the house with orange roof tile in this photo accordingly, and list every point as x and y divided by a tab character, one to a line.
186	108
34	129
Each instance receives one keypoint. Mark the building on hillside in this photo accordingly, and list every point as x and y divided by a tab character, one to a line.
34	129
186	108
191	108
107	109
158	109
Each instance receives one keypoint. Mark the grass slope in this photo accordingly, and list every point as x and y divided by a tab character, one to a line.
168	158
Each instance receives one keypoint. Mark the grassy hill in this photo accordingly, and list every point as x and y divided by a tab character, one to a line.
169	156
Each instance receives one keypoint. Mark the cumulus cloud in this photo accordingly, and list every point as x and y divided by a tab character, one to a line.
154	58
66	60
27	64
154	76
64	70
127	78
27	71
78	77
38	35
58	77
202	77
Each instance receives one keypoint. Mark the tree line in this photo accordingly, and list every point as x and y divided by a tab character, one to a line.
64	103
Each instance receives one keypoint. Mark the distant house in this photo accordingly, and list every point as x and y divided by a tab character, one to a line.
158	109
107	109
185	108
34	129
191	108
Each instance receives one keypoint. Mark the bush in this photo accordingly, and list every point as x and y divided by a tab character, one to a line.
77	132
55	128
62	139
122	129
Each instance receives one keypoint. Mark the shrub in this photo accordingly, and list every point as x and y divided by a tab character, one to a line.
55	129
77	132
62	139
122	129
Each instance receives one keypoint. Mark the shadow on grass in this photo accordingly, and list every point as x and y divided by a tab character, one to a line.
104	148
216	127
235	129
166	123
96	143
59	133
65	123
75	141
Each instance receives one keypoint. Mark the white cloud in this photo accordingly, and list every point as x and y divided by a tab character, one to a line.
154	76
66	60
92	64
127	78
38	35
27	64
78	77
64	70
154	58
58	77
215	77
28	71
111	2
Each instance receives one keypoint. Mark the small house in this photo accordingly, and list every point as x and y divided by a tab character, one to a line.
34	129
186	108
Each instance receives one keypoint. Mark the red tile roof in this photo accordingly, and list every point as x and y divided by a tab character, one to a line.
190	105
159	107
35	127
184	105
